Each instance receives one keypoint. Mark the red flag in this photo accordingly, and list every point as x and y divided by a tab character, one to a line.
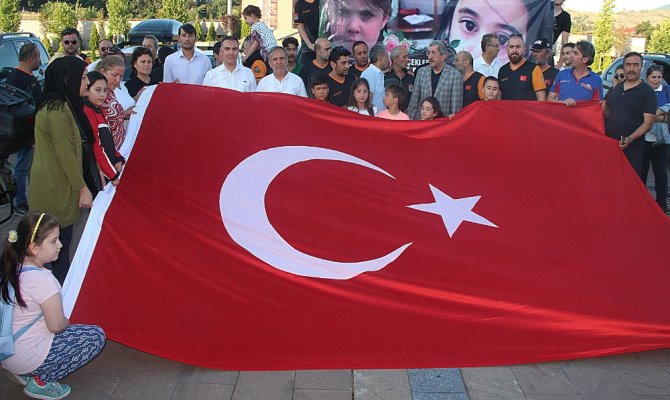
265	231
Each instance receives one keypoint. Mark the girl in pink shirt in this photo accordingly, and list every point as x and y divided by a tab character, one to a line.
48	348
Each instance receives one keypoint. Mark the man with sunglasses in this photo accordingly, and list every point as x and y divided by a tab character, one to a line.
103	48
630	111
71	40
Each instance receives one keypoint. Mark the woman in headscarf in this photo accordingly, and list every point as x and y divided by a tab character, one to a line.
64	177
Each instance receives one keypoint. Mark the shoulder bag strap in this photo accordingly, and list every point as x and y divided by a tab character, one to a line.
24	328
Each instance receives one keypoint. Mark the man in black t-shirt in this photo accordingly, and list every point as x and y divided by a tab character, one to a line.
541	52
361	59
520	79
473	81
339	82
22	77
630	110
320	64
306	19
562	26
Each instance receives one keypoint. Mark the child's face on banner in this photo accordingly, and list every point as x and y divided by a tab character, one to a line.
474	18
353	20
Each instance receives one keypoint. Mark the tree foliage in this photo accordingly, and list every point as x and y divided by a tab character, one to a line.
211	32
622	42
604	36
55	16
100	17
198	30
645	28
94	41
10	18
174	9
659	41
119	12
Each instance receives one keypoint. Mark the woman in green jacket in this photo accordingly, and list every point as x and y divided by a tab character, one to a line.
61	171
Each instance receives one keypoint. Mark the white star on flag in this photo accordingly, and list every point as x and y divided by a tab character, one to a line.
453	211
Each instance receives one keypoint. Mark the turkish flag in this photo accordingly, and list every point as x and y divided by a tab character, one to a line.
265	231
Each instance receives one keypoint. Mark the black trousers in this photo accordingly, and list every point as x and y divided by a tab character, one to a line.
658	157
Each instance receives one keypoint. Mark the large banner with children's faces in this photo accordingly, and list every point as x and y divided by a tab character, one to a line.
415	23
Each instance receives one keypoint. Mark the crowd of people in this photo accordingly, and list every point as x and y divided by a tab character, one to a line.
83	108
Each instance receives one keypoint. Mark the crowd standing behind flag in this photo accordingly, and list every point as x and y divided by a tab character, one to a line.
636	113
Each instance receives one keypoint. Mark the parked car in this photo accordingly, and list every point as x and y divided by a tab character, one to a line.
165	30
10	44
647	59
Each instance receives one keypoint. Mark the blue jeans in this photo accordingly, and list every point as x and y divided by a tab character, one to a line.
24	160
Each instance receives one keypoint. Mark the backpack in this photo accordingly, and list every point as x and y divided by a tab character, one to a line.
7	339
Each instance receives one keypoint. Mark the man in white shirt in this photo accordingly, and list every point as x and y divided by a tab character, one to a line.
487	64
281	81
379	62
187	65
230	74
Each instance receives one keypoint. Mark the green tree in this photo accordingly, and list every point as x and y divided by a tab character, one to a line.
604	36
245	29
10	18
621	42
94	41
198	30
119	12
100	17
645	28
55	17
660	39
211	33
175	9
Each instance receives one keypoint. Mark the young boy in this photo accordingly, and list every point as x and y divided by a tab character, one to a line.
393	96
491	88
319	87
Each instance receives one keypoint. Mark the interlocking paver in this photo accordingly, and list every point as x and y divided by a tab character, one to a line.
202	391
313	394
490	383
381	384
541	379
339	379
276	385
642	374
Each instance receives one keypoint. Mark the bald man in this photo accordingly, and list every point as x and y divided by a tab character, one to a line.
473	81
320	64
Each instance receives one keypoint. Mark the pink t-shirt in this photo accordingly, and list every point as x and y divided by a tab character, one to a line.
33	346
401	116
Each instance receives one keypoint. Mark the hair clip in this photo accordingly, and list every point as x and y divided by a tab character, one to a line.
12	236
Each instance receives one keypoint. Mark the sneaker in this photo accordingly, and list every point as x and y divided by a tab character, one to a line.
21	209
38	389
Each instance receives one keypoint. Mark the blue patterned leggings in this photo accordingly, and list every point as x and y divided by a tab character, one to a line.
71	349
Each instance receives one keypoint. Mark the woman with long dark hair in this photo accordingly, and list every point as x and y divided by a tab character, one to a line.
47	348
64	177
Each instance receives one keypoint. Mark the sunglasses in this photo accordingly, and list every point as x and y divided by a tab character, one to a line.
620	76
70	41
656	67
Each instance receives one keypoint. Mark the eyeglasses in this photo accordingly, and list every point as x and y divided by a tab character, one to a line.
70	41
619	76
495	46
104	49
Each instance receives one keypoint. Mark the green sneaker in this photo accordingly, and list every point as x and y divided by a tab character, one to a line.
38	389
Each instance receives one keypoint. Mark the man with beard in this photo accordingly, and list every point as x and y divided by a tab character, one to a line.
473	81
71	40
487	64
520	79
339	83
187	65
290	44
441	81
541	52
361	61
400	75
230	74
320	64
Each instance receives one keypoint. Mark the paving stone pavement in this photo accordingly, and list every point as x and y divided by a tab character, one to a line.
122	373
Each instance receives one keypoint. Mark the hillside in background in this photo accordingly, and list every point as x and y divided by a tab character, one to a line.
586	21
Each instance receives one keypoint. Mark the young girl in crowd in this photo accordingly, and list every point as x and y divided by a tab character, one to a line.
108	158
360	100
491	88
50	349
430	109
261	34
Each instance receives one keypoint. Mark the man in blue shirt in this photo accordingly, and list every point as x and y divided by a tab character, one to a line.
579	82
